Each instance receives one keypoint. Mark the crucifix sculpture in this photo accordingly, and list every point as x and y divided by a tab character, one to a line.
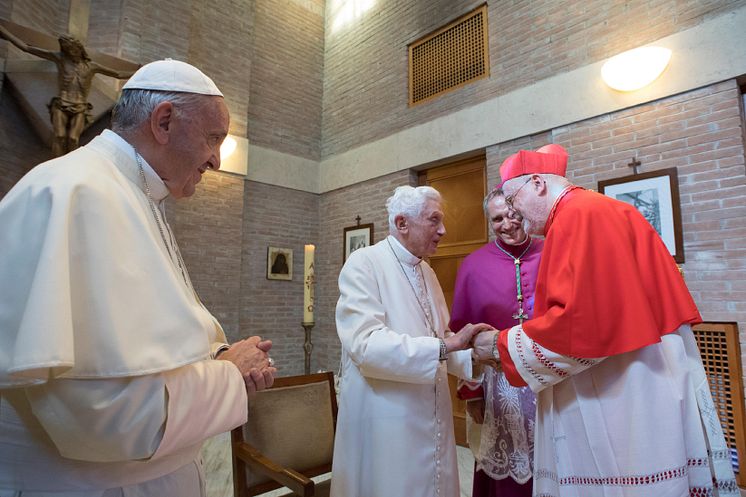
69	110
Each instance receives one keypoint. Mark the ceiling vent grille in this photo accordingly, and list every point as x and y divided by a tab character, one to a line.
451	57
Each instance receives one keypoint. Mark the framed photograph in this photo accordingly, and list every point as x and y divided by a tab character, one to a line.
356	237
279	263
656	196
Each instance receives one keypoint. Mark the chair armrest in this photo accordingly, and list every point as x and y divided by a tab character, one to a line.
262	464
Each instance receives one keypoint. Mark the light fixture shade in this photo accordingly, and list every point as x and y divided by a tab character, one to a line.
636	68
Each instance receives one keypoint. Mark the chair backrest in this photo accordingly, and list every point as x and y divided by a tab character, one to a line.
292	424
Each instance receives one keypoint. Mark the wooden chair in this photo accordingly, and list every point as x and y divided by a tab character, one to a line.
288	438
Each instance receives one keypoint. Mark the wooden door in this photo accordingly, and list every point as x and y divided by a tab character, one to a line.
463	187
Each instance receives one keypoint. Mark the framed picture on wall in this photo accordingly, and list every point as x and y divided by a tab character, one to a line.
656	196
279	263
356	237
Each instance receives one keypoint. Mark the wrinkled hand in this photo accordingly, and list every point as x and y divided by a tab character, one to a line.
475	408
258	380
251	357
462	340
483	348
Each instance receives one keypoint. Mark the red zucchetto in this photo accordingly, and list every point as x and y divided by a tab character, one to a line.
549	159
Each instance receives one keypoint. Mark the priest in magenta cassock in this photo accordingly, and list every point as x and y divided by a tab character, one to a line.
112	371
495	285
623	404
394	433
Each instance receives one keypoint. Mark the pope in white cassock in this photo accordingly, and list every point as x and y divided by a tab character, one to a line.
108	383
394	430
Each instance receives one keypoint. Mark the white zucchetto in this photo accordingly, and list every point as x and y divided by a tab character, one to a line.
172	75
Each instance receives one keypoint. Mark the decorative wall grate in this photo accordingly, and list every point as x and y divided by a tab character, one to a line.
450	57
718	345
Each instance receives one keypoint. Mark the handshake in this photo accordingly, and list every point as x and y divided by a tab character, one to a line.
479	337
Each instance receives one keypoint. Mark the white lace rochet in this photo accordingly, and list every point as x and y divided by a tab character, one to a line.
507	442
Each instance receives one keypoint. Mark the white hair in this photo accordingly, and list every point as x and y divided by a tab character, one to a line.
135	106
410	202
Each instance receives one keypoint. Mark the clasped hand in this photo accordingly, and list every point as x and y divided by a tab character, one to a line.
251	357
480	337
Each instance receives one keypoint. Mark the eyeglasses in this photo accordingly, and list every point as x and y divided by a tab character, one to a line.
509	199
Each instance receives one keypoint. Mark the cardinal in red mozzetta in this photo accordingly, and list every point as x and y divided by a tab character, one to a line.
622	398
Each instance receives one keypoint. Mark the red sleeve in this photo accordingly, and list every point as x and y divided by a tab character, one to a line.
511	373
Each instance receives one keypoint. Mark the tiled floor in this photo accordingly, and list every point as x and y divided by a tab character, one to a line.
219	473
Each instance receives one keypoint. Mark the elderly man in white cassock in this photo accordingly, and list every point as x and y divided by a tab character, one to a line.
109	381
394	430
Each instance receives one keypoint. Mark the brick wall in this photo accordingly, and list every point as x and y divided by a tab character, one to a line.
5	8
365	75
104	27
20	147
286	87
277	217
338	210
224	230
47	16
701	134
219	44
155	30
208	228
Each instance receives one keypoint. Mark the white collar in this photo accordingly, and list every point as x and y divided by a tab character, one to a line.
158	189
402	253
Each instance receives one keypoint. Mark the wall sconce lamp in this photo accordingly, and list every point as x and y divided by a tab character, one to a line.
234	155
228	147
636	68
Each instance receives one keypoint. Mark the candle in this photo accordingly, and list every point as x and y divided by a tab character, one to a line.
309	279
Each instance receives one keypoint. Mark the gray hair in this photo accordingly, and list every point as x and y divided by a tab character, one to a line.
495	192
409	201
135	106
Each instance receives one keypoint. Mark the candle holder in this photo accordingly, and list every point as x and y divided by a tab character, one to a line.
308	346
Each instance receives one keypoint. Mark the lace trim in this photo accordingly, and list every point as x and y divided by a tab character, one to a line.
507	435
546	362
584	362
727	486
629	480
521	354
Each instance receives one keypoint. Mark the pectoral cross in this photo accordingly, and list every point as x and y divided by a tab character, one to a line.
520	315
